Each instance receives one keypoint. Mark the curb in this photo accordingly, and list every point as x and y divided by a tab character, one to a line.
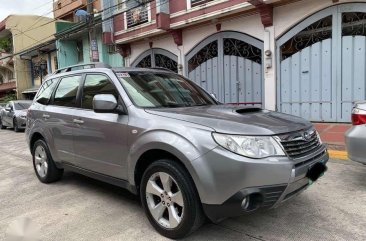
342	155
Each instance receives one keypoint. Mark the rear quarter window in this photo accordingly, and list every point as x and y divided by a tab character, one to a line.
45	91
66	91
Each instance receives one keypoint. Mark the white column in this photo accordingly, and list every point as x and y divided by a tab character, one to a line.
270	72
181	64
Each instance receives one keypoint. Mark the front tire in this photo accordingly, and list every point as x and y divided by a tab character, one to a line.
170	200
15	125
43	164
2	127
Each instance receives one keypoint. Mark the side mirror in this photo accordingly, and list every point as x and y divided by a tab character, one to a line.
8	109
104	103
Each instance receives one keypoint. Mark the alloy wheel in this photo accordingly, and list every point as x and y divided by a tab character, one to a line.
165	200
41	161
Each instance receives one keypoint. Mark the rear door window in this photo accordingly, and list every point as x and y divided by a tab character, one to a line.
67	90
96	84
45	92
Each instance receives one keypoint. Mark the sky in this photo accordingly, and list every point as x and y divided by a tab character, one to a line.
33	7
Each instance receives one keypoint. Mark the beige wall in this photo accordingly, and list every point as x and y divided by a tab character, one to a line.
65	8
28	31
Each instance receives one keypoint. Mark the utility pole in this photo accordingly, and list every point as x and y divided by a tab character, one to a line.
94	53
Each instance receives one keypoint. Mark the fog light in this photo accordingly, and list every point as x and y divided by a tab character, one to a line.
245	203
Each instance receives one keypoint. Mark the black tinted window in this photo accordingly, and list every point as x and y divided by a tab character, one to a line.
66	91
94	85
45	92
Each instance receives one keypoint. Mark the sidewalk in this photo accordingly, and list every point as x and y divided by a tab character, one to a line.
333	135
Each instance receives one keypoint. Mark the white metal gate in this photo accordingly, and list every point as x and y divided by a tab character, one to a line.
322	64
228	64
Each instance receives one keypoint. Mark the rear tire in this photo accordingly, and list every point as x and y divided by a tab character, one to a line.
15	125
170	199
43	164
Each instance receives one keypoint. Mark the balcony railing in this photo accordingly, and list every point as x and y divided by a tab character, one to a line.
137	16
195	3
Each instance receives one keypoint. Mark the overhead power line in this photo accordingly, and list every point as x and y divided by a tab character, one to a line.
104	20
44	15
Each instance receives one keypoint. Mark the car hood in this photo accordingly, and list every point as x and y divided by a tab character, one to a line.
20	112
236	120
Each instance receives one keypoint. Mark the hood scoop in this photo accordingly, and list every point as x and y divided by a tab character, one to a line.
248	110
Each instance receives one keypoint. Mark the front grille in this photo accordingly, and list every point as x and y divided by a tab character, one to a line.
299	146
303	163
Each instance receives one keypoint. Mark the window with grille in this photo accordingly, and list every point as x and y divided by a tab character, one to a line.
195	3
137	15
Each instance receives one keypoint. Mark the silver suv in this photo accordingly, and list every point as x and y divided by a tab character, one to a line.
161	136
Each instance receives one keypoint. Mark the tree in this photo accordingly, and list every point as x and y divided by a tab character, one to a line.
6	45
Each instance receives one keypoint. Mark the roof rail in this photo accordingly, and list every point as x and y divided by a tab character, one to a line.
83	66
162	68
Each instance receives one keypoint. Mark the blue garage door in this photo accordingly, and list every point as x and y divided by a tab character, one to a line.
322	65
228	64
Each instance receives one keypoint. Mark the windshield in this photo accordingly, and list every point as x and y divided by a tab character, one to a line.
21	105
151	90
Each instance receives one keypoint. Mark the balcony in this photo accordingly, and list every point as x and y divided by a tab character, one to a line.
137	16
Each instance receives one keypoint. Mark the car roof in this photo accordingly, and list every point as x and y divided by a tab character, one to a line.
105	69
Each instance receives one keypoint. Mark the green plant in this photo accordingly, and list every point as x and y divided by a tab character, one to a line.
5	44
8	97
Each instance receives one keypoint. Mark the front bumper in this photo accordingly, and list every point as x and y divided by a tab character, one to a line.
266	184
356	142
22	122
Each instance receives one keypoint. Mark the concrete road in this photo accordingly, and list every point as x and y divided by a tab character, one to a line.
79	208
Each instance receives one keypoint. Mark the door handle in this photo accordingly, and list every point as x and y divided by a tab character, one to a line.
76	121
46	116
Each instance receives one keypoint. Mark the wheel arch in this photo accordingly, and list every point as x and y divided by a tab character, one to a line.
35	137
149	156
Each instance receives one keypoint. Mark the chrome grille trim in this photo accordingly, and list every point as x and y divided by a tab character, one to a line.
301	144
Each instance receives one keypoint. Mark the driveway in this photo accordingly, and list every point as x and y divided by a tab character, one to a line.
80	208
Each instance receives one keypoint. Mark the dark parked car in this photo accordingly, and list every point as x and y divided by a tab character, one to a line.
162	136
14	115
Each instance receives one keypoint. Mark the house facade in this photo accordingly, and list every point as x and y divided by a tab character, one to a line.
29	37
73	42
301	57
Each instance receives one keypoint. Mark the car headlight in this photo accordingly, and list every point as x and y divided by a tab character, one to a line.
250	146
320	139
